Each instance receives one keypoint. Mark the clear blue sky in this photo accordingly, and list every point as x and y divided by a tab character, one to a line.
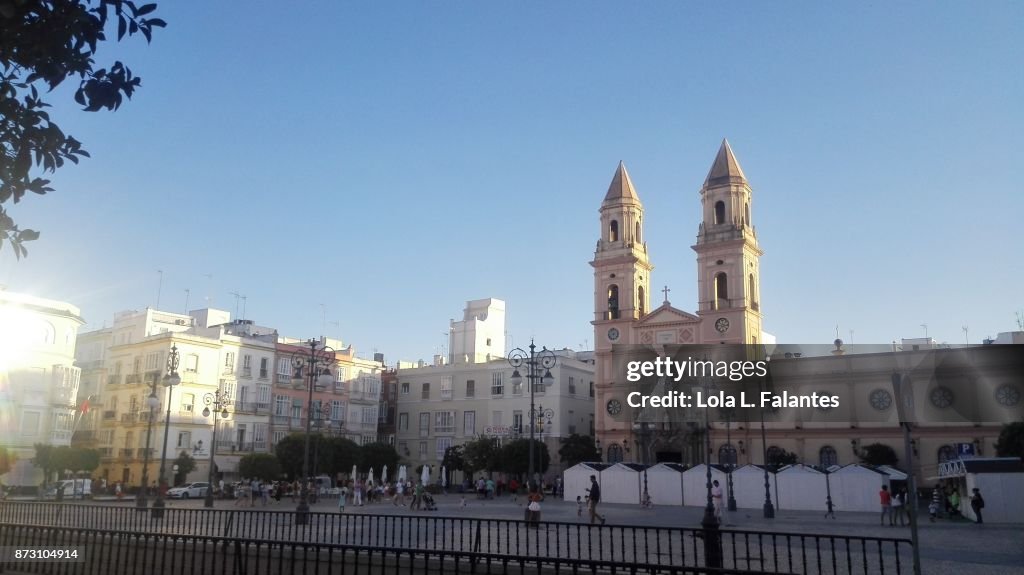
392	160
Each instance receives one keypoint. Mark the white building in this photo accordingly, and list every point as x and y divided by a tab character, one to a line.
38	381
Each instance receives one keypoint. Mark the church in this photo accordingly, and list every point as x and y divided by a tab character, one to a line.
728	271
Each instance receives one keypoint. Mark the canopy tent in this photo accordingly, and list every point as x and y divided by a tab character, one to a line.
855	487
576	479
800	487
695	490
665	483
622	483
748	487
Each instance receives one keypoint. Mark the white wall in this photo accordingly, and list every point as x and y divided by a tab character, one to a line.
621	484
576	482
664	485
801	488
748	487
855	488
1002	494
695	485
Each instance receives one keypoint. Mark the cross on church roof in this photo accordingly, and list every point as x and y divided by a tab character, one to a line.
665	291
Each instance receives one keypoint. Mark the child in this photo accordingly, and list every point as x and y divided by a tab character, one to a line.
579	506
341	499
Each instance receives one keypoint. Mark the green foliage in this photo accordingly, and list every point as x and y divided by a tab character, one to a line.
260	466
376	456
1011	440
43	43
454	459
578	449
335	455
44	460
515	456
7	460
186	464
480	454
878	454
289	452
781	458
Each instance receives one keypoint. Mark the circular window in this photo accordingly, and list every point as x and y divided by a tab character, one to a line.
942	397
880	399
821	406
1007	395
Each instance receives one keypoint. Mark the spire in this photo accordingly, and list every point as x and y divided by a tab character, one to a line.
621	187
726	169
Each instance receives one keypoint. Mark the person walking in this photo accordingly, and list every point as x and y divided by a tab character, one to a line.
357	499
716	499
885	498
933	507
342	496
899	508
595	498
417	499
977	504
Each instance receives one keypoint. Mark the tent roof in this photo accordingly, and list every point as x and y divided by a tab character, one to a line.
677	467
593	465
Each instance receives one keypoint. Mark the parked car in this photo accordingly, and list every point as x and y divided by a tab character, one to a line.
69	489
197	489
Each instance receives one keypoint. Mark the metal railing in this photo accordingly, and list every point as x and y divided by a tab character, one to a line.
665	547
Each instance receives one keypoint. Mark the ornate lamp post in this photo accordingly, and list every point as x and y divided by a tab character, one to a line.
769	509
219	400
152	402
712	536
316	364
535	361
170	380
322	417
731	505
643	430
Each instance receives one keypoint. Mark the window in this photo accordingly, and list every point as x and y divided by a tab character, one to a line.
247	365
746	214
30	423
497	388
188	402
640	297
591	389
727	454
614	453
424	424
423	450
369	416
613	302
338	410
946	453
751	295
284	367
572	385
191	363
229	362
137	365
443	443
297	409
517	421
425	394
446	387
263	396
263	367
444	422
152	360
278	436
403	422
636	233
470	388
184	440
469	423
828	457
281	403
342	375
613	231
719	212
721	290
495	418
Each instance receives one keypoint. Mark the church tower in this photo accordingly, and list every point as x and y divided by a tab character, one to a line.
728	268
621	269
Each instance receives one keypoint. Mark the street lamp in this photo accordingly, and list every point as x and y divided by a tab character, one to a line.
712	536
322	417
316	364
219	400
170	380
643	430
152	402
731	454
769	509
535	361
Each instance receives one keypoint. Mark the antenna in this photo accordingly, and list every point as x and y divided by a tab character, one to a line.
851	337
188	293
238	296
967	340
243	306
925	326
159	288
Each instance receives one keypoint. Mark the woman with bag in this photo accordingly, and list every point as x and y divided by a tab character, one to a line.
533	508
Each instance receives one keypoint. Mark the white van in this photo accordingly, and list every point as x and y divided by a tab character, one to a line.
72	489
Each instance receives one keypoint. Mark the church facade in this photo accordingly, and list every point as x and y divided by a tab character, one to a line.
728	276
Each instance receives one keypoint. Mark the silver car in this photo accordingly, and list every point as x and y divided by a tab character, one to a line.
197	489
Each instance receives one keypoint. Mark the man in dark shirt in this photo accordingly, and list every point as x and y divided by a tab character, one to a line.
594	499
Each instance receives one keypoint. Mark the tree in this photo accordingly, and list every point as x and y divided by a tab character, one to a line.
43	43
1011	440
7	460
259	466
480	454
515	457
878	454
578	449
45	460
289	452
376	456
336	454
454	459
186	464
781	458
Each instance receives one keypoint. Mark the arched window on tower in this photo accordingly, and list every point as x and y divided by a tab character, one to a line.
746	213
721	290
636	235
719	212
640	300
828	457
727	455
613	302
614	453
751	292
613	231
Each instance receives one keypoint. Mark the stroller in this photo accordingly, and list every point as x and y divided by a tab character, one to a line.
428	502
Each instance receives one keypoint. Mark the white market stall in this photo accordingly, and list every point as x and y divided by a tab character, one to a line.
665	483
855	487
1000	480
622	483
576	480
748	487
695	484
802	488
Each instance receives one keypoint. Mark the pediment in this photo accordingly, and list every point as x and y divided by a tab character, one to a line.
667	314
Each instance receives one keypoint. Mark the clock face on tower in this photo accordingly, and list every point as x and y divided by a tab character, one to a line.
613	334
614	407
722	325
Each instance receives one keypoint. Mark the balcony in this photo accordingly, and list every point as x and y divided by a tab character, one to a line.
264	374
247	372
263	408
126	452
129	417
245	407
106	451
141	453
60	437
110	414
133	378
283	380
296	424
114	379
152	377
144	416
280	420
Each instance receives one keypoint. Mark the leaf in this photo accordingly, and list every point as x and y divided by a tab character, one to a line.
122	27
146	9
159	23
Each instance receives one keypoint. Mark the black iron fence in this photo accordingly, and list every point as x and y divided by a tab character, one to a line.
423	537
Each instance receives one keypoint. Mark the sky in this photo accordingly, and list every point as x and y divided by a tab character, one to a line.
361	170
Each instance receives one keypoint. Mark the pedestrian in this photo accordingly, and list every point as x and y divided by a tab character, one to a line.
716	499
954	501
977	504
899	507
594	499
417	499
885	498
579	506
118	491
342	496
535	498
933	507
513	486
358	497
